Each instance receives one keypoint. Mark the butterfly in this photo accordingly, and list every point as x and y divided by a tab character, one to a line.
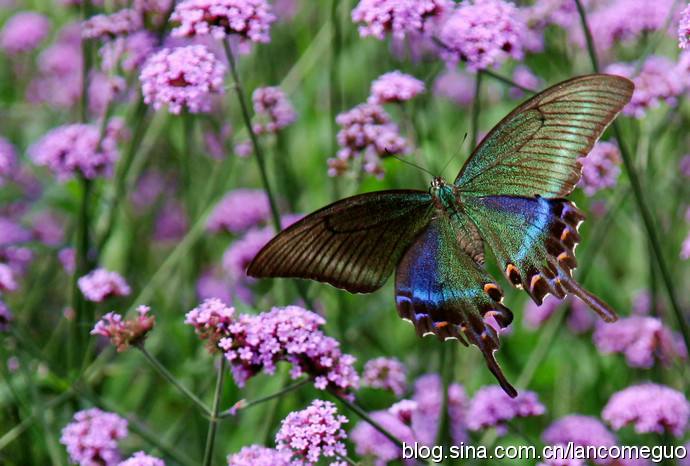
508	196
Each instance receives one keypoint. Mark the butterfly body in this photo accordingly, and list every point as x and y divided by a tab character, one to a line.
509	197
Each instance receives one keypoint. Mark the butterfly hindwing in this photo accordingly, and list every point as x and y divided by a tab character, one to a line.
352	244
534	240
443	291
535	149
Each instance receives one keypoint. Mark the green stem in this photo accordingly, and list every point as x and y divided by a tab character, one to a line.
347	459
258	153
171	378
213	422
476	107
244	404
641	201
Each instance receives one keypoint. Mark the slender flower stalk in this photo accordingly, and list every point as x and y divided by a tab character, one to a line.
213	421
640	200
258	153
244	404
171	378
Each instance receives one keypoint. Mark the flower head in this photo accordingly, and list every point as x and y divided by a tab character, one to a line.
372	443
483	33
581	430
211	321
491	407
456	86
123	333
395	87
91	438
75	148
142	459
398	17
257	455
273	109
67	257
658	81
684	28
129	52
120	23
171	222
650	408
100	284
385	373
366	132
313	433
239	210
641	339
240	253
600	168
182	78
250	20
23	32
7	280
8	160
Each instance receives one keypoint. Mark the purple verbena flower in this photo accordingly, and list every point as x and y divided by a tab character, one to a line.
239	210
120	23
100	284
104	89
211	321
257	455
250	20
313	433
6	317
536	314
483	33
428	396
240	253
579	429
7	280
142	459
650	408
23	32
75	148
8	160
600	168
182	78
398	17
92	436
456	86
171	222
369	442
385	373
491	407
129	52
641	339
273	109
67	257
684	28
458	403
211	285
125	333
395	87
366	132
658	81
48	228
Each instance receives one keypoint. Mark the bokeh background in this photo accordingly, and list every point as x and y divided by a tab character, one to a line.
126	159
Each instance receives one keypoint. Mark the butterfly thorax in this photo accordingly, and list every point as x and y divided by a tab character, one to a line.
445	196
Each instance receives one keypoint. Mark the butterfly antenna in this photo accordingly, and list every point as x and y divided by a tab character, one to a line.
464	138
413	165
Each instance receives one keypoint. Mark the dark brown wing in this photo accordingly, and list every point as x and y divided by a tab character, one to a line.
535	149
353	244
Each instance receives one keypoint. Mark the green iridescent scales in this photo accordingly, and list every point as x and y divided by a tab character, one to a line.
509	196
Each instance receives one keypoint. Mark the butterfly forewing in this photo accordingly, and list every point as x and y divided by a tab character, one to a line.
535	149
353	244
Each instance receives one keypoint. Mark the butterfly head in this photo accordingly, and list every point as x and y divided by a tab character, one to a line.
437	183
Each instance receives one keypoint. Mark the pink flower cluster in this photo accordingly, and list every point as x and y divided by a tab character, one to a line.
483	33
240	253
600	168
313	433
24	32
491	407
395	87
120	23
367	132
398	17
211	320
250	20
658	81
256	455
124	333
92	436
182	78
648	407
7	280
129	52
273	109
641	339
385	373
142	459
239	210
77	148
684	28
581	431
100	284
456	86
